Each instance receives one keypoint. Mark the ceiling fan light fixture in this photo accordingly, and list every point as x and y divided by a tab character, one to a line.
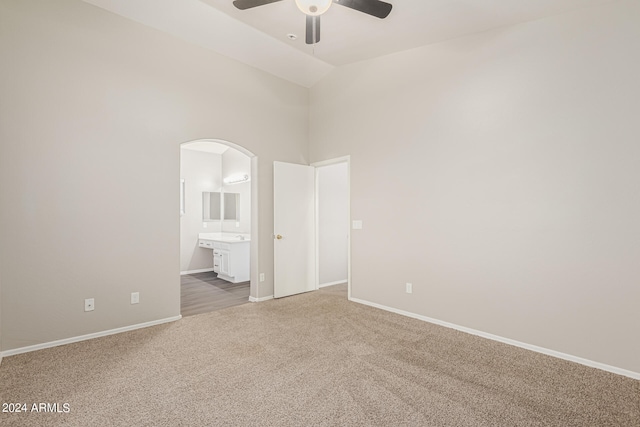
313	7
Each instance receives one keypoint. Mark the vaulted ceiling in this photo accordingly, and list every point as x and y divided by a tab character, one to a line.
260	36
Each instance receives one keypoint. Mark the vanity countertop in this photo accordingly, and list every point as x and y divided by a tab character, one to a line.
225	237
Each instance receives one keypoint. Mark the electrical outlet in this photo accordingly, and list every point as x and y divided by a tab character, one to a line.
204	225
409	288
262	277
89	304
135	297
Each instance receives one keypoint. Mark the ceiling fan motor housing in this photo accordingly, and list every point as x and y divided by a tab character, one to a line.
314	7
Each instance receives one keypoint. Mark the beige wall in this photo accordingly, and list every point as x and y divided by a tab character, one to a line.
92	112
499	174
1	254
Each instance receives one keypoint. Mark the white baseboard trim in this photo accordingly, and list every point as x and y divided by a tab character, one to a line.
537	349
337	282
253	299
71	340
202	270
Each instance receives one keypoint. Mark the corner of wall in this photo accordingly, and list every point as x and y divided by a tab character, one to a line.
0	317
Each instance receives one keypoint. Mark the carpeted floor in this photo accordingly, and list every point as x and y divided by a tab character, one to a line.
309	360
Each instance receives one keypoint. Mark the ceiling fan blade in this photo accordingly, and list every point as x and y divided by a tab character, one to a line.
313	29
248	4
376	8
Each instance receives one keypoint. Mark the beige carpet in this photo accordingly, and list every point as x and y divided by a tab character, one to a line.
310	360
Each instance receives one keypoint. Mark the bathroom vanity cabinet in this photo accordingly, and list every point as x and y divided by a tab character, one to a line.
231	256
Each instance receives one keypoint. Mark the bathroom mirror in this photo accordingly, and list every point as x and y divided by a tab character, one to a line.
210	206
232	206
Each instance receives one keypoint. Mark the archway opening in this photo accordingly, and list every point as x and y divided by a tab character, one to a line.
218	225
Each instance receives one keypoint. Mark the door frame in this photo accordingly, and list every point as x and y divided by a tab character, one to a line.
255	212
317	165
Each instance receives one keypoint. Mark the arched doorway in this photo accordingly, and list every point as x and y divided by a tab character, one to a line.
218	222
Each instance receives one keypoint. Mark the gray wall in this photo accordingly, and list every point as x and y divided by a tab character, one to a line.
202	172
333	223
499	174
92	113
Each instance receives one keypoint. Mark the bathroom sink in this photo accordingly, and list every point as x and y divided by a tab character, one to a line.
224	237
232	239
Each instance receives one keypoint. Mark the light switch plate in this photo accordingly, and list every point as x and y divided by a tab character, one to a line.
135	297
356	224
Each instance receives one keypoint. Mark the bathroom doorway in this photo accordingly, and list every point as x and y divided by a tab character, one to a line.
218	225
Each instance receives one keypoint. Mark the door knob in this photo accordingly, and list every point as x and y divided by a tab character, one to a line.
279	237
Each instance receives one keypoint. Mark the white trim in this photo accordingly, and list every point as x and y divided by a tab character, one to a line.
343	159
537	349
87	337
349	227
337	282
254	299
202	270
254	246
316	224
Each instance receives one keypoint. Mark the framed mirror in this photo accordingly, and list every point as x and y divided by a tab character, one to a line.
211	206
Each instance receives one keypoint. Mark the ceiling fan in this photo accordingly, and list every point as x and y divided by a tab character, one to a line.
315	8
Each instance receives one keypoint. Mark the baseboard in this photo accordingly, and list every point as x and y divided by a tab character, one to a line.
337	282
202	270
537	349
71	340
253	299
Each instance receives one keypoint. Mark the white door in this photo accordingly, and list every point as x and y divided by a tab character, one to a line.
293	226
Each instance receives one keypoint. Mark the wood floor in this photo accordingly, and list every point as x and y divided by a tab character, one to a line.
204	292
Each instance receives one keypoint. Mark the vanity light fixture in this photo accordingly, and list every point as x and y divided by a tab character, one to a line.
236	179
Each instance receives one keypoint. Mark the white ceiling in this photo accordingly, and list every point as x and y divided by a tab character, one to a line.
258	36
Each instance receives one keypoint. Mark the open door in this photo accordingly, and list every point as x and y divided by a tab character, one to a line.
294	229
